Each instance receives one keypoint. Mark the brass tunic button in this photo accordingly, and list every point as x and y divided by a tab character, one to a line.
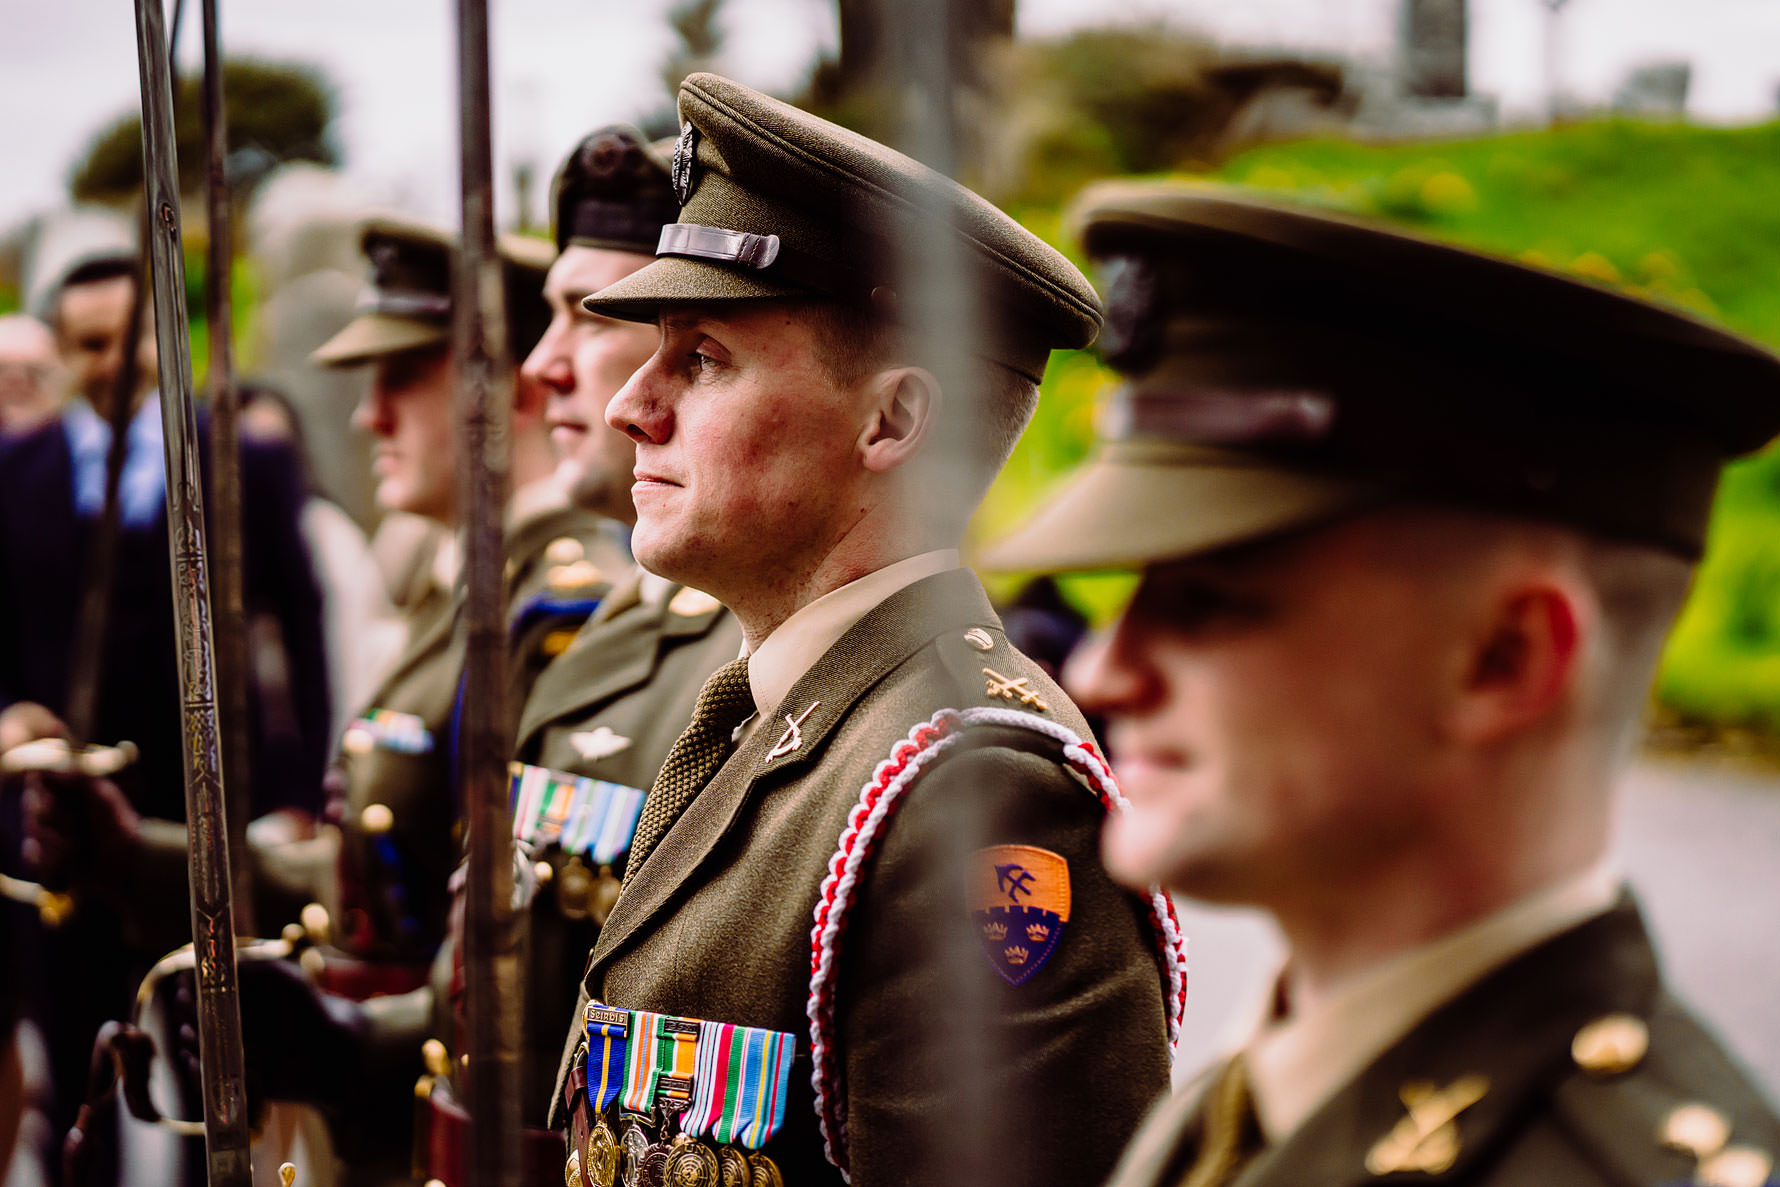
690	603
436	1059
1735	1166
1611	1045
1696	1129
572	576
377	819
564	550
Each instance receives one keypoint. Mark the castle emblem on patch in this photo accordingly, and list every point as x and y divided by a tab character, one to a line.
683	159
1019	902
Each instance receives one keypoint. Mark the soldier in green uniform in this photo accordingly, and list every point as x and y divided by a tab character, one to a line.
1416	524
601	717
863	930
394	788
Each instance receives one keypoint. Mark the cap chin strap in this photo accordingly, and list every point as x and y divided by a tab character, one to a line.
404	303
766	254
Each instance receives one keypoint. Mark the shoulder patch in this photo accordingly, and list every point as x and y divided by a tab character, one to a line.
1019	897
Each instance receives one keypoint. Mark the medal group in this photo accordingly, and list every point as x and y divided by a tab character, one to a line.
695	1101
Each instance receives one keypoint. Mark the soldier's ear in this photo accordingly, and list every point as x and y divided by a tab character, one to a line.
902	409
1524	661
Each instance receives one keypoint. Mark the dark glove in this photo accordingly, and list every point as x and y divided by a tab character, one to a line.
356	1064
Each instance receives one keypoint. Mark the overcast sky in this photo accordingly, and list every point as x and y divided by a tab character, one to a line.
562	67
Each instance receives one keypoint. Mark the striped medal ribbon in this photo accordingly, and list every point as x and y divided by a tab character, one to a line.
587	817
608	1032
743	1076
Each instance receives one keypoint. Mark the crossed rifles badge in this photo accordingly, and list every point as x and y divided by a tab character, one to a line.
1019	899
1427	1140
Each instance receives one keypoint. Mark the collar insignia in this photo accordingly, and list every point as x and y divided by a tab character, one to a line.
1427	1140
792	738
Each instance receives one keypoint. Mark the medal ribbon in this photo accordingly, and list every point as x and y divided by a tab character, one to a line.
744	1074
607	1044
640	1071
587	816
677	1059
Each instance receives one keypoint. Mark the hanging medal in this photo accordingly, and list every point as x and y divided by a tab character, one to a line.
637	1094
743	1077
684	1162
608	1033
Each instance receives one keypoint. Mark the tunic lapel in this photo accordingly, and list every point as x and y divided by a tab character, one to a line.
1514	1027
891	632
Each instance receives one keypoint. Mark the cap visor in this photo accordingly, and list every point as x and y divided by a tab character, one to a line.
372	334
1138	503
672	280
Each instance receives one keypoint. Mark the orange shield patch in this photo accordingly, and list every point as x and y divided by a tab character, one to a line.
1019	901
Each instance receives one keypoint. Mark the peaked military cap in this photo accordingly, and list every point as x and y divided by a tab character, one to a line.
613	192
407	304
776	203
1284	367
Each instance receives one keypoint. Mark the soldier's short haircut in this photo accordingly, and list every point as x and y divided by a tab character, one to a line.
852	343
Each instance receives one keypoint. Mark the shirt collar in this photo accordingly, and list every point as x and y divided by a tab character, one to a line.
1298	1062
793	649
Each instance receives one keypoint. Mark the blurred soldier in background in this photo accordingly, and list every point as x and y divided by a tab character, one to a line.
33	382
600	720
1424	519
794	463
394	794
99	838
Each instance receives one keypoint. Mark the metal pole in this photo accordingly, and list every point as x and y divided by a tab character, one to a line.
219	1010
225	473
485	396
941	311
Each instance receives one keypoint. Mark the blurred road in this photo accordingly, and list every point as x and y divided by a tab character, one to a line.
1700	844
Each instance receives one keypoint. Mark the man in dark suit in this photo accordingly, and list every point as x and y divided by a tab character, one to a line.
52	483
976	999
1421	520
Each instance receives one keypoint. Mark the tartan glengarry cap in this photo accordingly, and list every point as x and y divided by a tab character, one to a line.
777	203
613	192
1285	367
407	303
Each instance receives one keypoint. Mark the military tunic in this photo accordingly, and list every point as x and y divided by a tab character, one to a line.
1571	1064
716	923
396	775
608	708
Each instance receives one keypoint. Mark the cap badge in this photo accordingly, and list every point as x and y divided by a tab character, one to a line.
683	161
1019	900
792	738
1132	333
1427	1140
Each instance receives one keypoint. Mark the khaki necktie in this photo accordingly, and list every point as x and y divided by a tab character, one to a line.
1232	1132
724	703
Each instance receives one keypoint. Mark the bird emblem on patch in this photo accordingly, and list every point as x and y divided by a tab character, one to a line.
598	743
1019	902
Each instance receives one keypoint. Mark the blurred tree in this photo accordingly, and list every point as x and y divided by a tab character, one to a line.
695	24
277	112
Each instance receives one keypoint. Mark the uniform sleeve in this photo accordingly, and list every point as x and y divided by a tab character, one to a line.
954	1074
